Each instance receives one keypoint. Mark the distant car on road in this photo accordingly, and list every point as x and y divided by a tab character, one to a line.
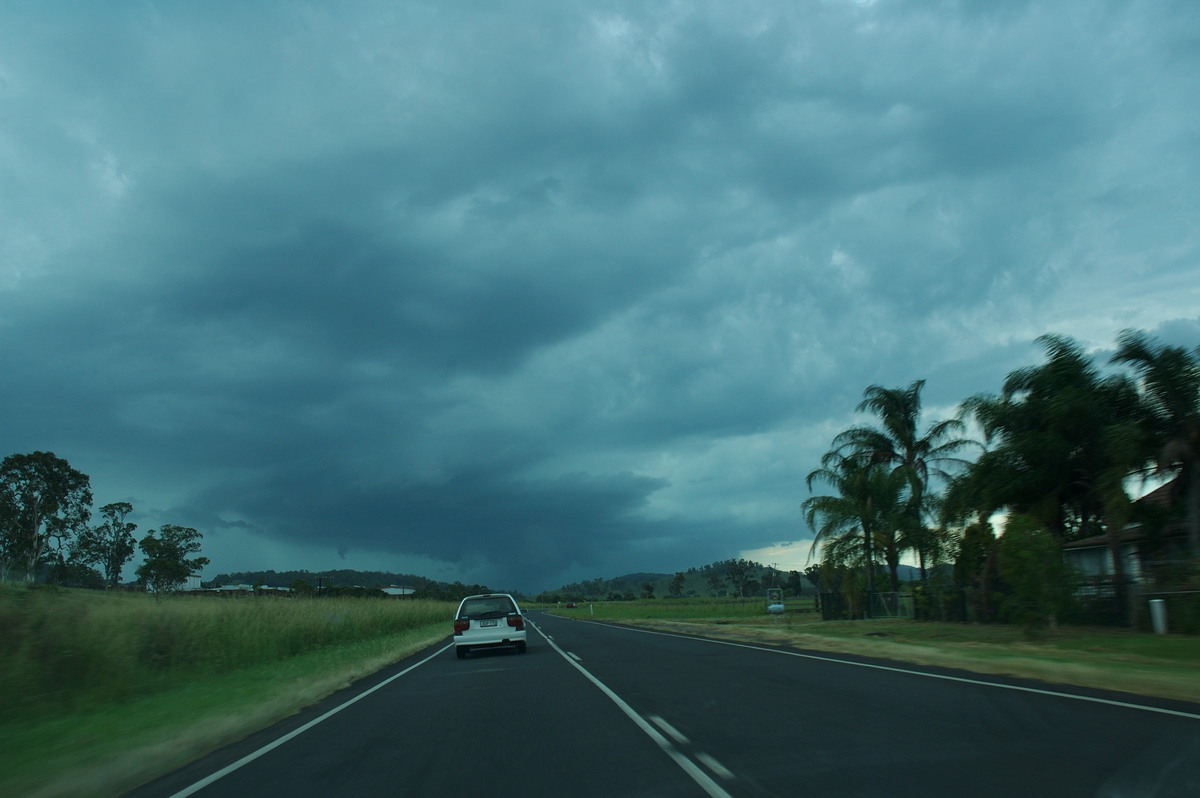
489	620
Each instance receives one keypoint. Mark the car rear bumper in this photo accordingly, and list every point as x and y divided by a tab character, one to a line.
492	644
486	641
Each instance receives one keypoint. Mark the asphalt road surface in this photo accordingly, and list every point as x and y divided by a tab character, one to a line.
599	710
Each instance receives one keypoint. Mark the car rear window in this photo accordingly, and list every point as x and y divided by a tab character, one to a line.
487	608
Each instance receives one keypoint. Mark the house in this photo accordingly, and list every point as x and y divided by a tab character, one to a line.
1139	550
1093	558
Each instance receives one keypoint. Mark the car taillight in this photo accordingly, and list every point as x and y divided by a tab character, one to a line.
461	625
517	621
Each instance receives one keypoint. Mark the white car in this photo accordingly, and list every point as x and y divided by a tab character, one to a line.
490	620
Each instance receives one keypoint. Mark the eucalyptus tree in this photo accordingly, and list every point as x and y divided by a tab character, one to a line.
109	544
1169	388
862	516
168	557
921	457
44	503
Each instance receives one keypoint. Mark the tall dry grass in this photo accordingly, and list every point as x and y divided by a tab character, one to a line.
65	650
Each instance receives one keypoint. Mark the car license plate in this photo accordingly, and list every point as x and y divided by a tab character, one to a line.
492	622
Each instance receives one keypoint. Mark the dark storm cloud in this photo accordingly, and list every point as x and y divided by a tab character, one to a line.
523	528
529	292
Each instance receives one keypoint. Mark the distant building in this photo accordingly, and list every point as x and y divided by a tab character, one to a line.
189	584
1093	558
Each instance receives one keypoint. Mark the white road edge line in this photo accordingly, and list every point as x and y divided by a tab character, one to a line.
691	768
962	679
248	758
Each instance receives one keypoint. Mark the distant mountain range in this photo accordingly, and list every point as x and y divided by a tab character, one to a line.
723	578
423	587
726	577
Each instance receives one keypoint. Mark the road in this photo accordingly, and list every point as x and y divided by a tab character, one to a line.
599	710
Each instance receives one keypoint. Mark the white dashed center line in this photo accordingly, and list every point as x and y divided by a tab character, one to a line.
705	782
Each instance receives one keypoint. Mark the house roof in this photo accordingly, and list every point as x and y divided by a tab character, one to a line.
1131	534
1164	496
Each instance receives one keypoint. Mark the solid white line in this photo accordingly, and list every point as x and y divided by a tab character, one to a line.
691	768
671	731
961	679
225	771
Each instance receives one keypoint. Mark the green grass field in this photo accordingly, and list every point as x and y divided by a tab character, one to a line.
681	608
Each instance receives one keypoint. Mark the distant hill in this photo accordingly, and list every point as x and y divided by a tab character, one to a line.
343	578
423	587
724	578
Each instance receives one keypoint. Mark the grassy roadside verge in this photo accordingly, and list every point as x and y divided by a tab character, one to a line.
107	751
99	694
1166	666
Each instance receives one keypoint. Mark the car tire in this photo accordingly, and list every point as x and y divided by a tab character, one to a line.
461	652
520	646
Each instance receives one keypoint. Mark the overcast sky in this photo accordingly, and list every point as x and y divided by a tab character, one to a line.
528	292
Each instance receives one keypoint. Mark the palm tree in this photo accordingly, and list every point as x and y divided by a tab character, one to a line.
1064	441
863	514
898	444
1169	383
1052	433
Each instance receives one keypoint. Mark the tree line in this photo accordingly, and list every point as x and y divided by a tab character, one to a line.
46	531
348	582
732	577
1058	450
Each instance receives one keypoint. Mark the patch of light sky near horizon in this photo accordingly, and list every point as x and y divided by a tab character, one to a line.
232	550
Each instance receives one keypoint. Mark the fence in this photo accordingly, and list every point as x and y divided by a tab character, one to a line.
839	607
1095	605
892	605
